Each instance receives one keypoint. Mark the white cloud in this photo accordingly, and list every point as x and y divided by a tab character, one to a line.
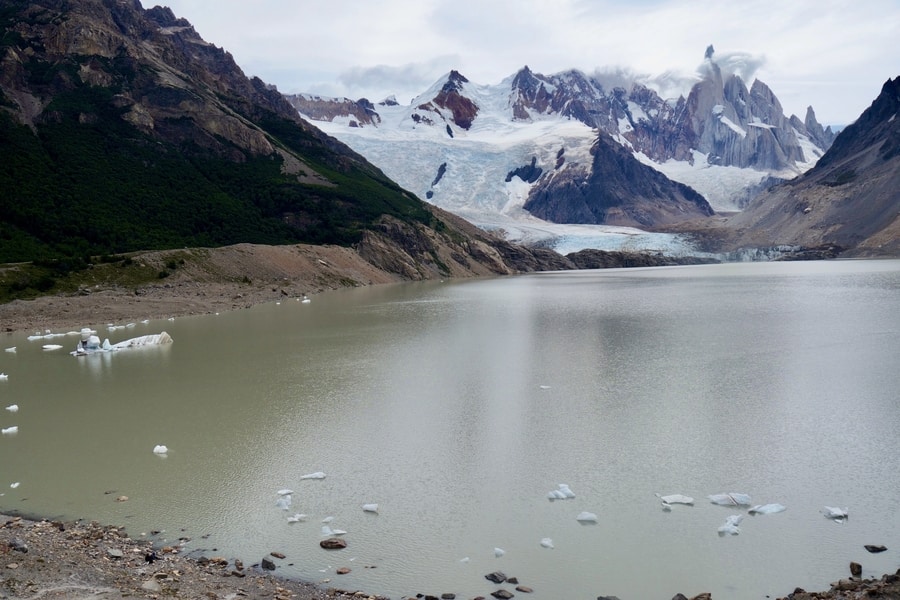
832	54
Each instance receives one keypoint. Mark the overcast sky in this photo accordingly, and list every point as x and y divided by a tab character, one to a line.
832	54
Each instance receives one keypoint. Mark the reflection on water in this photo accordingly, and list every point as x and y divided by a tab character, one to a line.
458	407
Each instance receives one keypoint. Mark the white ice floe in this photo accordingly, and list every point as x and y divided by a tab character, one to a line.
498	552
316	475
671	499
372	508
296	518
730	499
731	525
836	514
3	376
160	449
11	349
547	543
328	531
328	519
284	502
464	559
284	492
14	485
586	517
50	347
561	493
13	408
9	430
766	509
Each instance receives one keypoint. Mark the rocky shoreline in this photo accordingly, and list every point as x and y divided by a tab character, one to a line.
79	561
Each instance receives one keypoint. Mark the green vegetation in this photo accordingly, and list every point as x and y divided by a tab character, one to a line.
83	181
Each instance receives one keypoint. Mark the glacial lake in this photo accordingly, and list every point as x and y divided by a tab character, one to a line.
458	407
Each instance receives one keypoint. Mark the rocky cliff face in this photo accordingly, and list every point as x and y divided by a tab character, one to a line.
849	200
616	190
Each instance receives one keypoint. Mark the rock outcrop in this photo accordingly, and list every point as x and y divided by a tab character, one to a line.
850	199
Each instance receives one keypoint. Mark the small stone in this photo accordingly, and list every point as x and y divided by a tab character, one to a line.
276	554
12	566
502	595
237	573
496	577
267	564
122	499
448	596
18	545
874	549
115	553
238	564
151	585
524	589
855	569
333	544
512	580
343	571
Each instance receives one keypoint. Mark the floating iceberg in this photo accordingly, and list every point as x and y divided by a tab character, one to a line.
160	449
284	502
8	430
13	408
586	517
546	543
561	493
766	509
498	552
90	343
671	499
316	475
731	525
832	512
372	508
730	499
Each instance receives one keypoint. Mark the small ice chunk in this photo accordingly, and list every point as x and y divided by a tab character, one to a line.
328	519
498	552
731	525
316	475
50	347
586	517
676	499
14	485
730	499
284	492
373	508
546	543
836	514
3	376
545	387
284	502
562	492
766	509
338	532
9	430
296	518
464	559
327	531
160	449
13	408
11	349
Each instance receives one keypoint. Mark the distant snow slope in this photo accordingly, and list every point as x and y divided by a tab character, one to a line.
477	162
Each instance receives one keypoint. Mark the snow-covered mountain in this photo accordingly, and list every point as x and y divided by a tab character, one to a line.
484	151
